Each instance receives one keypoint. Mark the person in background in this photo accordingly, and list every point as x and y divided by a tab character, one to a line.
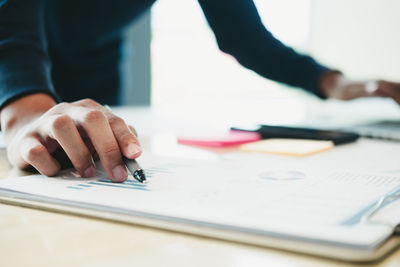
59	63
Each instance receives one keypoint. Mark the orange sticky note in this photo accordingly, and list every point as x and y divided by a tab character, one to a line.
288	147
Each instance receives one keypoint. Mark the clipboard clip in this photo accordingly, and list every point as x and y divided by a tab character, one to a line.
385	199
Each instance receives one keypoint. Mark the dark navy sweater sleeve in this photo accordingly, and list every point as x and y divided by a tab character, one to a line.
240	32
24	63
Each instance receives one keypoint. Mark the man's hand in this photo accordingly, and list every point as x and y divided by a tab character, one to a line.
389	89
335	85
35	127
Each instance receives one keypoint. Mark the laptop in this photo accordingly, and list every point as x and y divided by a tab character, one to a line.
386	129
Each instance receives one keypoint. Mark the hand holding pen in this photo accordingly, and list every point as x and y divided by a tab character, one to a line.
78	131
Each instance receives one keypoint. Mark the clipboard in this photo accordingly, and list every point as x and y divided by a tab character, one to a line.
376	238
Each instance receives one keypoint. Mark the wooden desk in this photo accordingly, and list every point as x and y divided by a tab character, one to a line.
38	238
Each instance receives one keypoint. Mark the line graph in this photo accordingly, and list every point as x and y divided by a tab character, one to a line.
105	182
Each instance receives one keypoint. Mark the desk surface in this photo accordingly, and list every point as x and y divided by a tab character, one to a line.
38	238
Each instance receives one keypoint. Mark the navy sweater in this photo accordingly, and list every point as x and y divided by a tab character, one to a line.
71	49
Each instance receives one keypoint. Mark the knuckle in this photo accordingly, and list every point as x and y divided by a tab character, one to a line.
127	138
59	108
94	116
111	150
61	122
87	102
115	120
35	152
63	105
84	161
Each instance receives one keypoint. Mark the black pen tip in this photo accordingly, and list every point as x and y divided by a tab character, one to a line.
139	175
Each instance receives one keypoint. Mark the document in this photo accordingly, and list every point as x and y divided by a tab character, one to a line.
250	197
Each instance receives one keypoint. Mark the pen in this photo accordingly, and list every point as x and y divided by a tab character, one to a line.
135	169
132	165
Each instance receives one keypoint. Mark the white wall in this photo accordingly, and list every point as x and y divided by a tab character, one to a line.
359	37
290	25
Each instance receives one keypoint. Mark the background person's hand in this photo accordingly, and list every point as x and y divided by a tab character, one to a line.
389	89
335	85
35	128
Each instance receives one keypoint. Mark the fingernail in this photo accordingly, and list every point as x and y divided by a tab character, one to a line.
89	172
119	173
134	149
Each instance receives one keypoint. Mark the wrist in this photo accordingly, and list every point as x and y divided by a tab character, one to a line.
330	81
24	110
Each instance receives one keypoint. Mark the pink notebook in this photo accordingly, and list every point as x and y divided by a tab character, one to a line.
231	138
